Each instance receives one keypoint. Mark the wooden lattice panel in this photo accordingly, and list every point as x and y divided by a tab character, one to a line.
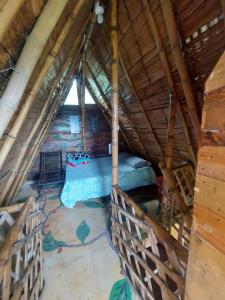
153	262
21	260
185	177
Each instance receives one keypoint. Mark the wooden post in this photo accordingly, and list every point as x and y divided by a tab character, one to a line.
107	106
14	131
141	107
28	59
165	64
115	62
82	102
98	59
30	157
170	131
181	64
22	151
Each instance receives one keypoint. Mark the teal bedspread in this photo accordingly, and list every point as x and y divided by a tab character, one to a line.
94	180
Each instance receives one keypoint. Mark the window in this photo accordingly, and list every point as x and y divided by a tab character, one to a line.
72	98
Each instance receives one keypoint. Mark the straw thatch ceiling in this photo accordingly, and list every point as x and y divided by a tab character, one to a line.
144	92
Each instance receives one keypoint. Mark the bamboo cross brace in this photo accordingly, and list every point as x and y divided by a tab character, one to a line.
14	131
24	147
165	64
108	106
98	59
108	119
28	163
181	63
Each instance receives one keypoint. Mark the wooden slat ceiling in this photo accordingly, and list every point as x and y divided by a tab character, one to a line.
143	89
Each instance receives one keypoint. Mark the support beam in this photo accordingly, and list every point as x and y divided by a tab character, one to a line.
165	64
14	131
141	108
170	131
28	59
108	118
108	106
181	64
8	11
39	121
32	153
99	61
82	101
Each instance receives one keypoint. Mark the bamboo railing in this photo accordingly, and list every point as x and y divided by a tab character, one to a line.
153	262
177	201
21	261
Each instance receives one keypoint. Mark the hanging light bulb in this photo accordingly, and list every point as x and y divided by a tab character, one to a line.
99	11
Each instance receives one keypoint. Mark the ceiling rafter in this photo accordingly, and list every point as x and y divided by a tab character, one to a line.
121	103
165	64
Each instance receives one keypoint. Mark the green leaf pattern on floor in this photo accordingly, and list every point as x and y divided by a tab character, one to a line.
82	231
50	244
120	291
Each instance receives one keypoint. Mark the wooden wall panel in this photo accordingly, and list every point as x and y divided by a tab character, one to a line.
206	265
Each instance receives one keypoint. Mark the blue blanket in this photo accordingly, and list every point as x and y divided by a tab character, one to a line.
94	180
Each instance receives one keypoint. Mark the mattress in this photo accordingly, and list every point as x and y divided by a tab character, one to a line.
94	180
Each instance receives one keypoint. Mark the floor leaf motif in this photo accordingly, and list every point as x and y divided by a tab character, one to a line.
51	244
120	291
82	231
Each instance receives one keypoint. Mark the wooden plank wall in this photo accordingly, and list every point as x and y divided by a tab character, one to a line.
206	265
59	137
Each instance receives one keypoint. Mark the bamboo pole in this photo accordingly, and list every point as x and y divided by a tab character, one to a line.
170	131
107	104
115	63
29	57
82	102
172	186
8	11
14	131
108	120
98	59
28	162
141	108
181	64
164	60
22	152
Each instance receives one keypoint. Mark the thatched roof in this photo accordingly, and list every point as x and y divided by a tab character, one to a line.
150	73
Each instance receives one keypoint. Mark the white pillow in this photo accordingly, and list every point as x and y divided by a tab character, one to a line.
137	162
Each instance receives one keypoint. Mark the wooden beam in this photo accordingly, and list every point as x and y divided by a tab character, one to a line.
8	12
165	63
108	106
108	119
14	131
82	101
33	151
44	111
98	59
27	61
141	108
170	131
181	64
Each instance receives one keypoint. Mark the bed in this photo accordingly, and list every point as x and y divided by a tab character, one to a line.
94	180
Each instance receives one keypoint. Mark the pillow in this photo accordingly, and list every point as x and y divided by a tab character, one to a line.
137	162
124	155
77	158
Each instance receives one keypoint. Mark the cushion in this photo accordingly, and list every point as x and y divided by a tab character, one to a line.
123	155
77	158
137	162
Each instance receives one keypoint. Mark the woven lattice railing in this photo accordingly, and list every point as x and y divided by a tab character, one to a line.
21	262
153	262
